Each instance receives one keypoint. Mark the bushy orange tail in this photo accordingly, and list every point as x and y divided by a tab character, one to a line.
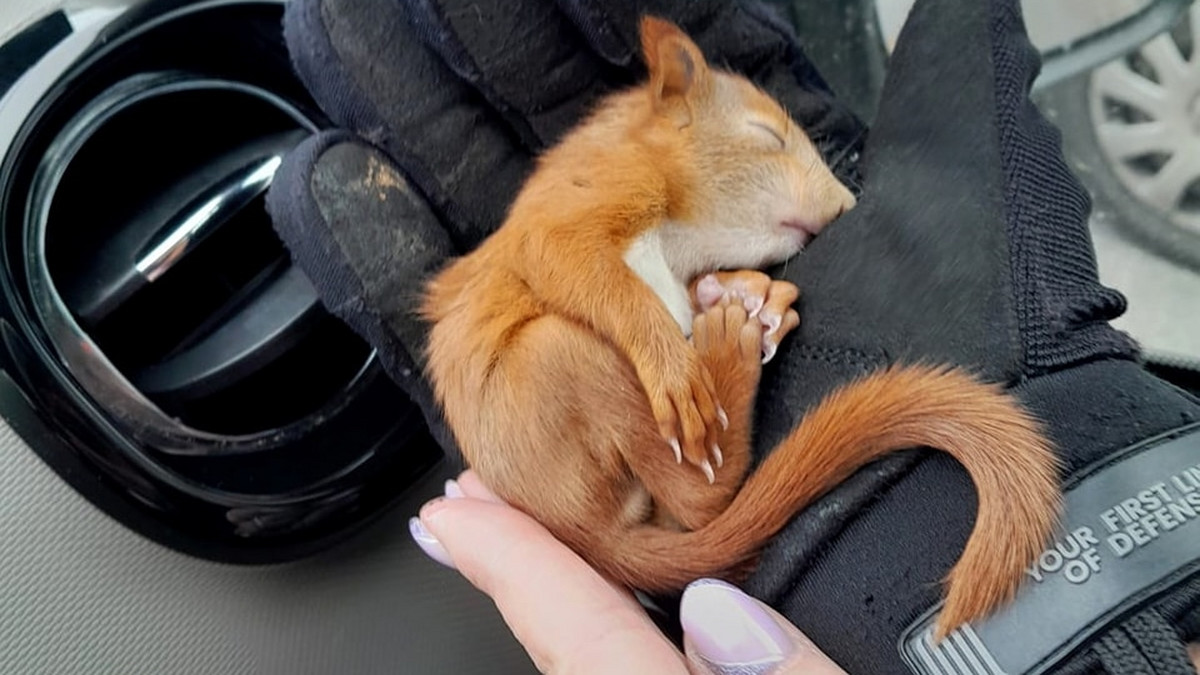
1011	463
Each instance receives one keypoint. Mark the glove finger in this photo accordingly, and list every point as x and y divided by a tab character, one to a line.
498	48
364	65
368	243
744	36
524	57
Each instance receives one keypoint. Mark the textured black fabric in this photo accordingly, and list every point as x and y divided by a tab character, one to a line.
366	68
1063	309
496	46
1119	654
1179	613
855	593
969	245
367	277
1144	645
1182	609
920	270
749	38
961	223
1107	405
1159	643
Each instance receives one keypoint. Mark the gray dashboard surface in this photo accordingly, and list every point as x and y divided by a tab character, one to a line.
79	593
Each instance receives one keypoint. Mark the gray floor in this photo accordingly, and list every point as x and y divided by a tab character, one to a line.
1163	297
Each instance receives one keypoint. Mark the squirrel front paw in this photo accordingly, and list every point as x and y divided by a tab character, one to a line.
765	299
684	402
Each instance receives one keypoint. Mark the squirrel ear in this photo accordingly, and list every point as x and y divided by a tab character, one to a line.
677	67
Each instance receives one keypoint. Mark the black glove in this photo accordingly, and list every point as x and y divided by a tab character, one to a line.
969	246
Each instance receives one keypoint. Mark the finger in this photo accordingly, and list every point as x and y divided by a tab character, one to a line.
712	443
692	428
751	341
716	421
701	423
727	632
715	339
735	318
701	338
771	337
707	292
363	63
566	615
782	294
715	457
791	321
744	37
335	202
668	423
499	46
716	320
474	488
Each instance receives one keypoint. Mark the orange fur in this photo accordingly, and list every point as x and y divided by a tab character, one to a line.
563	371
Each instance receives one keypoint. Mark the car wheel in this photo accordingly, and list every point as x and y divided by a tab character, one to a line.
1131	128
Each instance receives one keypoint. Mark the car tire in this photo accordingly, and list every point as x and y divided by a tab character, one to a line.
1086	115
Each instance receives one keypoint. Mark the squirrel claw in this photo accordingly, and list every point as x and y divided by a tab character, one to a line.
678	450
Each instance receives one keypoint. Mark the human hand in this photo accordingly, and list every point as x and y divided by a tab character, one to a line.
572	620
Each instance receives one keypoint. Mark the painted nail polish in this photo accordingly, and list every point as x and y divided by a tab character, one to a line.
730	631
428	543
453	490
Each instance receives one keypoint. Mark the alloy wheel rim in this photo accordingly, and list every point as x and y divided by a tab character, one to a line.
1145	110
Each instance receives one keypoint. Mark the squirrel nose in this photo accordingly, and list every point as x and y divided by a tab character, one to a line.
843	199
829	202
848	200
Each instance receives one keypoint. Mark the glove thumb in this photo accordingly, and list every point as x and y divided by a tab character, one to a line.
368	241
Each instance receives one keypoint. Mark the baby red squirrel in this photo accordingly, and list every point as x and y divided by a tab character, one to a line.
557	355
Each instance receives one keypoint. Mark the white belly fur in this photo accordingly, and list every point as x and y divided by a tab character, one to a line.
647	258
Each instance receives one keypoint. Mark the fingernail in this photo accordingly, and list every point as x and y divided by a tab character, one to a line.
428	543
678	450
730	630
452	490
